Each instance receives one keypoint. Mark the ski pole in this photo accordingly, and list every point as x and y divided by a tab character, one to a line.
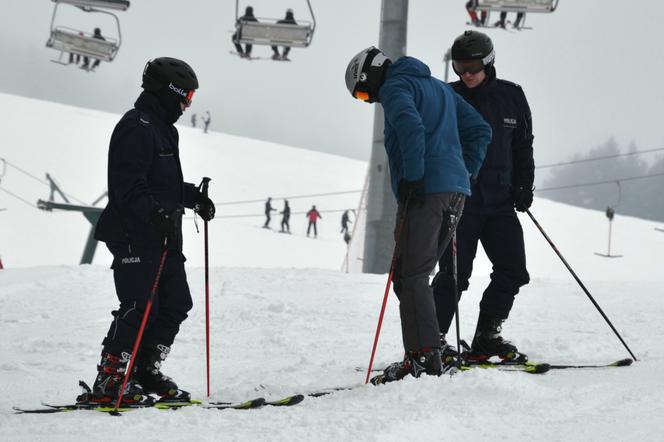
455	286
144	321
204	190
402	221
599	309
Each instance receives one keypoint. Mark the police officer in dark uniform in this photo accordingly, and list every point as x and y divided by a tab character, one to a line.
505	183
146	199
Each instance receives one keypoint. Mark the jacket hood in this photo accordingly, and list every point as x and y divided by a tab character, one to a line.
409	66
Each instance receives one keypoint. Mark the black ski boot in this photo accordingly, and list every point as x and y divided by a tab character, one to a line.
149	375
110	376
414	363
448	352
488	343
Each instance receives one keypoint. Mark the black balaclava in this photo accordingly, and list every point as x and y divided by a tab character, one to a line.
170	102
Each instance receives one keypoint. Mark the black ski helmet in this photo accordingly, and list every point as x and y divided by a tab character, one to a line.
365	74
170	74
474	45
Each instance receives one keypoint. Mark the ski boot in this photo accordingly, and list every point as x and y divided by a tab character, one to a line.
149	375
448	352
488	343
110	376
414	363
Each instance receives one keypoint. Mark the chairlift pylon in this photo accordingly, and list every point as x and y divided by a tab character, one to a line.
267	32
74	41
610	213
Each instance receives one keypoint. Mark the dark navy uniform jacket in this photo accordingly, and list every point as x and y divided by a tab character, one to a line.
144	175
509	158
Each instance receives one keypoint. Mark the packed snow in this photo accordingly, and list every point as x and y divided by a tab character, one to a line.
284	319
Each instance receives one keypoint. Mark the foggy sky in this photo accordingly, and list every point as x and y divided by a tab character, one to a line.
590	70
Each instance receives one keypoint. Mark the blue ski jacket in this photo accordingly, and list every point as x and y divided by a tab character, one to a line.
431	133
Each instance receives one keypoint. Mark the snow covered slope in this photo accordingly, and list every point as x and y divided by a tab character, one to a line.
72	143
280	325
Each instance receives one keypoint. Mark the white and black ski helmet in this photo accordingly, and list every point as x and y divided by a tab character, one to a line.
365	74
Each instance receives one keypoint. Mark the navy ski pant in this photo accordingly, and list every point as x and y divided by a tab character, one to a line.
502	239
134	272
426	232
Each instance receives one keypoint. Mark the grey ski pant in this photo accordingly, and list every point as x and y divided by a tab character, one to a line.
426	232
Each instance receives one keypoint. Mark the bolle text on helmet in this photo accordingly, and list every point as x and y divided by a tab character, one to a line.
177	89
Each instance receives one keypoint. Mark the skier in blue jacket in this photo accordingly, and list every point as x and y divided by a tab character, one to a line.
435	143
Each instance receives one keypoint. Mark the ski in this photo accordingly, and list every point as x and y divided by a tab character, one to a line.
286	401
620	363
246	405
532	367
165	405
526	367
104	408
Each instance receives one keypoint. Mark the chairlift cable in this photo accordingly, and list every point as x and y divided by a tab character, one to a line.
606	157
41	181
256	215
19	198
292	197
569	186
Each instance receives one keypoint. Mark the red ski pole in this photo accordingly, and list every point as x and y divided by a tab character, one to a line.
387	290
144	321
204	190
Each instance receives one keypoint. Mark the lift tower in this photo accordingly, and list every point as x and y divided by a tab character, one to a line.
381	205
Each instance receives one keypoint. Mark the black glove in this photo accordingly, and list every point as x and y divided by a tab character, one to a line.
522	198
411	191
204	207
163	222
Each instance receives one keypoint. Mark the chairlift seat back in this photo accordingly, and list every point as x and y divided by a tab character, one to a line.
274	34
517	5
120	5
70	41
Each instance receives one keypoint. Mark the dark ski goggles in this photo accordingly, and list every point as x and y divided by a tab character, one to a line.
467	66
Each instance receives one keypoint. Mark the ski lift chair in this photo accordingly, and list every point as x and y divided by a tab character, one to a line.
74	41
120	5
268	32
517	5
71	41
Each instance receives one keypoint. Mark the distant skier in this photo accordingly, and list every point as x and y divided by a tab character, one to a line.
345	220
268	212
434	141
146	201
248	16
193	120
287	20
285	220
313	215
86	60
503	17
471	7
505	183
206	121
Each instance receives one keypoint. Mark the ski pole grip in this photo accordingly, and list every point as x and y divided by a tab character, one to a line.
204	185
